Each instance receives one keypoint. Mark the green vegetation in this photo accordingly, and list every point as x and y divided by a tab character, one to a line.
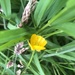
52	19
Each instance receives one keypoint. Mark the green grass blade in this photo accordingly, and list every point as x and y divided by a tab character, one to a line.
8	35
37	63
6	6
41	9
68	28
11	43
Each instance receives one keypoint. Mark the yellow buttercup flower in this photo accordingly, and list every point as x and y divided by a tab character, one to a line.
37	42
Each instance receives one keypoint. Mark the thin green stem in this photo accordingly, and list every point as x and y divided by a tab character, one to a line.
57	32
22	4
4	24
2	15
65	63
29	62
15	64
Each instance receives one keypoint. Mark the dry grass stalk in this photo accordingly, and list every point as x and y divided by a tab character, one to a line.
27	11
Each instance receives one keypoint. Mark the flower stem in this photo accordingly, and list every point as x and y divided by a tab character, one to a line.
57	32
29	62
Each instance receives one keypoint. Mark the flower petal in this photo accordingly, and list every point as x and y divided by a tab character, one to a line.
39	38
38	48
33	39
30	46
43	42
